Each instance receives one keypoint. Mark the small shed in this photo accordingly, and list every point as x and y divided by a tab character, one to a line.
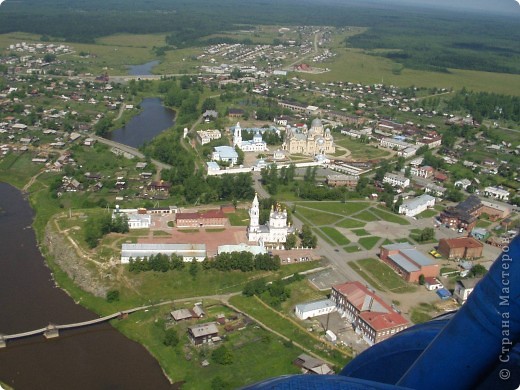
443	294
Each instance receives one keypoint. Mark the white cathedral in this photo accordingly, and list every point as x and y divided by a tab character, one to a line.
315	141
257	144
275	231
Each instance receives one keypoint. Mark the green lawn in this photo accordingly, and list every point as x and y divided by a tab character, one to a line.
351	249
349	223
366	215
282	325
336	236
483	223
422	312
360	150
343	208
385	276
428	214
256	353
369	242
239	218
389	217
317	217
360	232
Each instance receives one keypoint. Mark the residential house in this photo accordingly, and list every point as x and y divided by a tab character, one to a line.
460	248
408	262
203	333
369	315
312	365
479	234
432	284
463	288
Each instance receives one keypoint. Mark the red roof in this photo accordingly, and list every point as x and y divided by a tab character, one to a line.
462	242
201	215
383	321
373	310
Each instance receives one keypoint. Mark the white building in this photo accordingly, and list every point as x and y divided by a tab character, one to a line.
416	206
254	249
188	252
424	172
136	220
463	183
407	152
393	143
396	180
206	136
257	144
275	231
314	309
497	193
226	154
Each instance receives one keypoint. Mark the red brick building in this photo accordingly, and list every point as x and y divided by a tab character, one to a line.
460	248
370	316
464	215
201	219
408	262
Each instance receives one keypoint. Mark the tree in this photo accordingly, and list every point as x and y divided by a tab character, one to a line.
426	234
477	270
219	384
194	269
113	296
308	239
421	279
171	338
222	355
290	241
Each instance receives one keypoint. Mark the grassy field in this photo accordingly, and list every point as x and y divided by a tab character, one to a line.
349	223
421	313
366	215
385	276
239	218
16	168
389	217
355	66
369	242
336	236
287	328
428	214
361	151
249	348
351	249
317	217
347	208
360	232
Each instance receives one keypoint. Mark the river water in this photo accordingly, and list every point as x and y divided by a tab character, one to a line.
97	357
153	120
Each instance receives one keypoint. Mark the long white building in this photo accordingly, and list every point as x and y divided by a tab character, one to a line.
417	205
188	252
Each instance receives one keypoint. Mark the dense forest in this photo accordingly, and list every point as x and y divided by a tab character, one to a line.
416	37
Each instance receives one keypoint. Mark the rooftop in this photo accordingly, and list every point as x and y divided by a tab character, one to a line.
462	242
316	305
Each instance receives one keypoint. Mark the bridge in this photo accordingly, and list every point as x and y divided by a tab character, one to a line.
52	330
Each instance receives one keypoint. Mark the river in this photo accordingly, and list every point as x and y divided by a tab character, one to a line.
97	357
153	120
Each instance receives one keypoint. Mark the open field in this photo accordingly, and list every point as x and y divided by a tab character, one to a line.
317	217
336	236
389	217
248	347
347	208
355	66
361	151
384	276
369	242
348	223
280	323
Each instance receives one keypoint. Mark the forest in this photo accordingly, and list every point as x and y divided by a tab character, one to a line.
421	39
